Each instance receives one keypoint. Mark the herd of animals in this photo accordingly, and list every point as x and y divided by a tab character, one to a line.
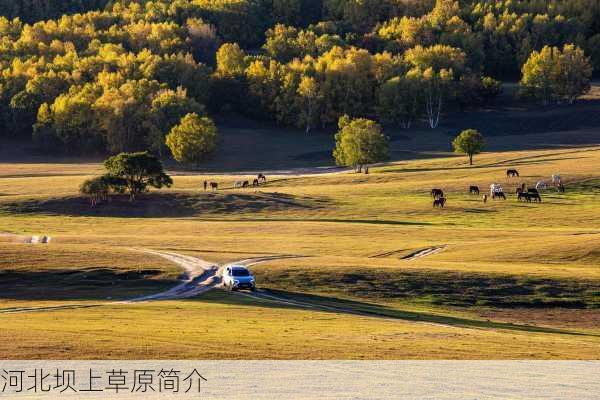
531	194
260	179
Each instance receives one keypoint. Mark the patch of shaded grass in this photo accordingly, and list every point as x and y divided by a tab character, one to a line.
92	284
345	306
165	205
439	287
80	272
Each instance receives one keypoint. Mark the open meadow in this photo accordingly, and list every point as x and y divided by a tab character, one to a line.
377	273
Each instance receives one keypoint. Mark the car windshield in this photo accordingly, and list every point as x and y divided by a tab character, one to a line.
240	272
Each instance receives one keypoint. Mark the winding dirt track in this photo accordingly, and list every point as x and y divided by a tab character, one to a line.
199	277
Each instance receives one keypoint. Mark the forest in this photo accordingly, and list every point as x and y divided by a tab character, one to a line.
102	77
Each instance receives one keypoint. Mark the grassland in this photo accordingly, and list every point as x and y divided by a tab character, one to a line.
514	280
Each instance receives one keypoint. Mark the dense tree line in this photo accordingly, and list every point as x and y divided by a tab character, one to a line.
36	10
118	76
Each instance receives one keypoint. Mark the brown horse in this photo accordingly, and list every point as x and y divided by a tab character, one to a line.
214	186
474	190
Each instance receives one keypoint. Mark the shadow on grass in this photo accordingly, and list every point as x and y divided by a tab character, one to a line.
441	288
479	211
287	299
81	285
327	220
165	205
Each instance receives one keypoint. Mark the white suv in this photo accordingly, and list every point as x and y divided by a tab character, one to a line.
237	277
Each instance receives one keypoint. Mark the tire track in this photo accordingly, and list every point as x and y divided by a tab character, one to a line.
424	252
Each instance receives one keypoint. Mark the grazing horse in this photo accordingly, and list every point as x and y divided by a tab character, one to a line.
512	172
556	180
245	184
255	183
535	197
262	178
474	190
437	193
494	188
499	195
541	185
214	186
524	196
439	202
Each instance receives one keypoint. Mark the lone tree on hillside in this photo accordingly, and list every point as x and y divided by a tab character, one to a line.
469	142
359	142
137	171
193	139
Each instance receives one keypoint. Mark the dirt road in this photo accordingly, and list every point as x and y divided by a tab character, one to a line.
199	277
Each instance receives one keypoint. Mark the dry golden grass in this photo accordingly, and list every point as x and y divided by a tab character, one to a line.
225	327
340	223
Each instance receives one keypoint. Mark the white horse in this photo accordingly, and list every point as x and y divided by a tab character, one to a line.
495	188
541	185
556	180
238	184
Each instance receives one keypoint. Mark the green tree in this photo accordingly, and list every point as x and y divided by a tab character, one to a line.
575	73
436	68
168	107
138	172
469	142
231	60
552	74
359	142
99	188
541	73
399	101
193	139
309	92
